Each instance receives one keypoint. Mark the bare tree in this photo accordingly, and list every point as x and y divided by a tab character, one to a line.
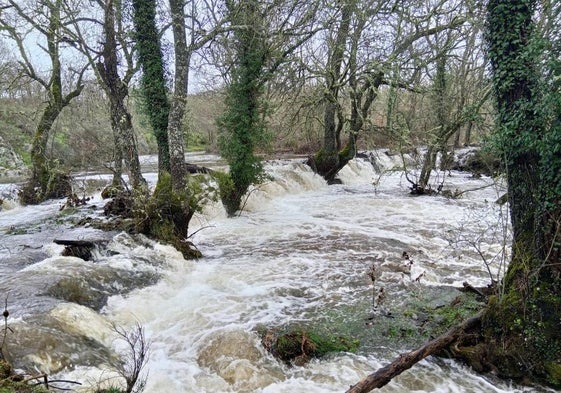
457	99
116	88
45	20
359	61
193	29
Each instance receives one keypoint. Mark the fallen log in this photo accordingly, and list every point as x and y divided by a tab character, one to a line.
406	361
470	288
194	168
74	243
76	248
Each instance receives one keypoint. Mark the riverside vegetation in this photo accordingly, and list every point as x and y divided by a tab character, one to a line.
358	94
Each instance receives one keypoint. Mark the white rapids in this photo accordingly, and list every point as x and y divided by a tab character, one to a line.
298	250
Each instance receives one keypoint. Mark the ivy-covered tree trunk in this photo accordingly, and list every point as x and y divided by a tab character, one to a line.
521	334
153	78
166	214
241	126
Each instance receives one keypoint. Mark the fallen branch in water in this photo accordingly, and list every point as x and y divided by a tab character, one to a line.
470	288
406	361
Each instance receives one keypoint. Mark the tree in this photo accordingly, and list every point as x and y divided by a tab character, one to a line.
456	102
242	125
106	66
187	39
116	88
521	328
153	81
260	45
168	212
47	21
359	62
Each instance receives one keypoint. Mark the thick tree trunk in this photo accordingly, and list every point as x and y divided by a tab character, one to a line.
122	126
41	173
326	161
521	332
117	91
117	169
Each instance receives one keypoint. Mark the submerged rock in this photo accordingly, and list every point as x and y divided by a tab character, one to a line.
235	356
93	288
41	345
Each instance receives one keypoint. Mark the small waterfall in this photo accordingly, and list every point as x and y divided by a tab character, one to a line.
299	252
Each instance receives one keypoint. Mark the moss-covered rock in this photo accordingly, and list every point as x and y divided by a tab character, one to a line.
298	345
6	369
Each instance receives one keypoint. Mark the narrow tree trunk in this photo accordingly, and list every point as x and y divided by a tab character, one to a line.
179	99
429	163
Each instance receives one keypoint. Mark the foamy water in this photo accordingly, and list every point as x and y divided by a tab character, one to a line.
298	252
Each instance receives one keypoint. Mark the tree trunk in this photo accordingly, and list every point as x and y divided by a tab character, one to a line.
117	169
326	161
153	76
521	326
467	136
177	110
429	163
117	91
122	126
41	173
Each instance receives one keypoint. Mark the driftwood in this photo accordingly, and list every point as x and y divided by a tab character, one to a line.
470	288
76	248
193	168
405	361
74	243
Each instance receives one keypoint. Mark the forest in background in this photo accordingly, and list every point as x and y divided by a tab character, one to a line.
82	136
422	69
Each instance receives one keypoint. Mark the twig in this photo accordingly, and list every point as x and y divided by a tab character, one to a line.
198	230
5	314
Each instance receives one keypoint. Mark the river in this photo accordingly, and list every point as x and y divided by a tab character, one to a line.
299	252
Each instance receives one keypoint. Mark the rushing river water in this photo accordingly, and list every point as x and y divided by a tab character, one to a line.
300	251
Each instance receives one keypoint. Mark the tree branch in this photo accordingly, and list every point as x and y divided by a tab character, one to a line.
405	361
